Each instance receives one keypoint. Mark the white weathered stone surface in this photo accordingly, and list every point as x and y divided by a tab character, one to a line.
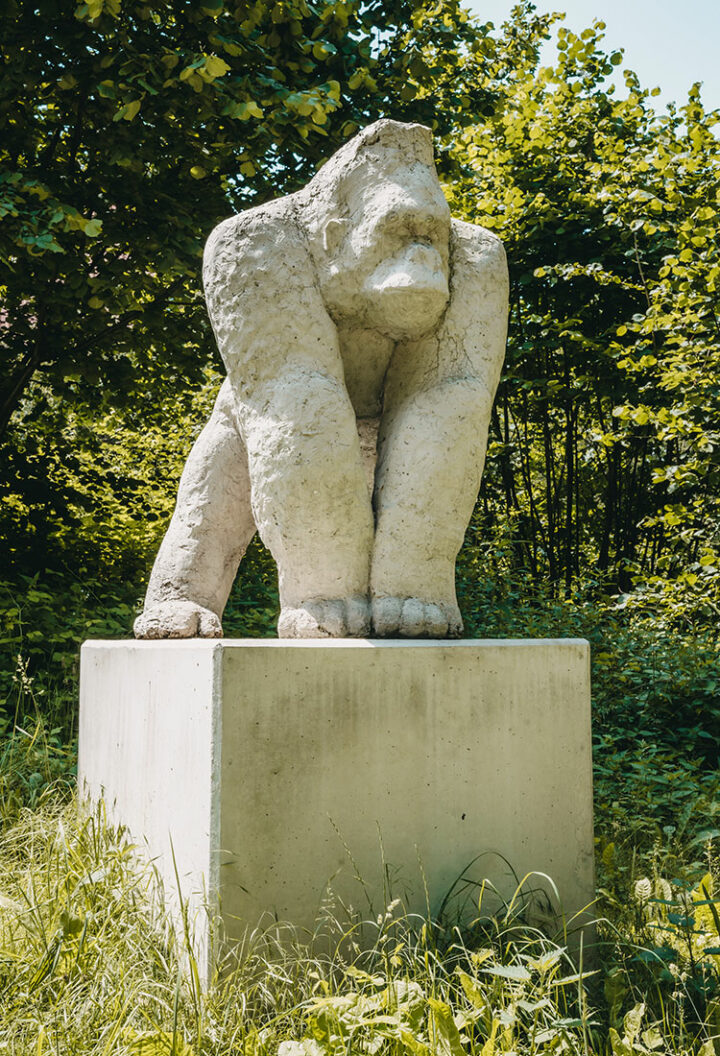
262	761
356	304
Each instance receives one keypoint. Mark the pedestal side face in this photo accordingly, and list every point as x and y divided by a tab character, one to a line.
149	744
415	758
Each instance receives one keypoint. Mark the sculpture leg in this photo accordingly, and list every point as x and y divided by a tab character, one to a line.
208	534
432	449
310	500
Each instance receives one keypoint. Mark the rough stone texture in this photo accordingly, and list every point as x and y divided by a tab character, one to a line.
363	332
262	761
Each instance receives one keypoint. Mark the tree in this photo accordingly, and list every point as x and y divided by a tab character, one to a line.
604	446
128	129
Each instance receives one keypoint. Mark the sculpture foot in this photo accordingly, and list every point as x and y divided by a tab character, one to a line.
177	619
413	618
334	618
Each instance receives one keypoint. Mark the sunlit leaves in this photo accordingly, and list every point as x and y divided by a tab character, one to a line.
129	111
609	214
138	126
127	131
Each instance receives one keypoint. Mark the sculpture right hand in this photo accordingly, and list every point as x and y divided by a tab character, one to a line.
177	619
328	618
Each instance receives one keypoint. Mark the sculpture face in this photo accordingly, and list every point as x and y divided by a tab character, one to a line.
400	250
388	258
352	304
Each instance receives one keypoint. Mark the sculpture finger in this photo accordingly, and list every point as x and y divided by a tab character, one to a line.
301	622
146	626
172	620
358	617
412	619
331	619
455	624
386	613
436	621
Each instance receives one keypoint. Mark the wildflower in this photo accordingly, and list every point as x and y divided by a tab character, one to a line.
663	890
388	912
643	890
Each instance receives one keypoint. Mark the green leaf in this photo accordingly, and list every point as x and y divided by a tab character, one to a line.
619	1047
516	972
131	110
445	1037
472	990
70	923
633	1021
652	1038
216	67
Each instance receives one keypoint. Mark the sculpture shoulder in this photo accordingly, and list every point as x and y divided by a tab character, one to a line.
265	239
477	251
262	291
475	323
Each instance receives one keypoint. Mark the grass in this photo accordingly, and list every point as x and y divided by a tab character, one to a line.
90	962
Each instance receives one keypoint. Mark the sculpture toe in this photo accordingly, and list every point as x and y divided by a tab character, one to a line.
298	623
412	619
332	619
455	624
436	621
209	625
358	617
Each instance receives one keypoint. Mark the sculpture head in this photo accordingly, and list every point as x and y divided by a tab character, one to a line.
379	230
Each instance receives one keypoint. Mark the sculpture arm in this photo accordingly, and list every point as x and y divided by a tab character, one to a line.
438	401
208	534
282	355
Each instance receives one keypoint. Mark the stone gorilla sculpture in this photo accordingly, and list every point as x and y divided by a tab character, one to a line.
354	304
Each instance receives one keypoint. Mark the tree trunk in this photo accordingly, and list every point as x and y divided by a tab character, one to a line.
17	386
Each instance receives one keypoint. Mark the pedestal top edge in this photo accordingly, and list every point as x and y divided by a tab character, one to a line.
209	644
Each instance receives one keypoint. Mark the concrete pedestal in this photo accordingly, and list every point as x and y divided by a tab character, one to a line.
270	769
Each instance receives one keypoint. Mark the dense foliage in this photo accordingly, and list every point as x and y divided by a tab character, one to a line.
127	129
604	455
